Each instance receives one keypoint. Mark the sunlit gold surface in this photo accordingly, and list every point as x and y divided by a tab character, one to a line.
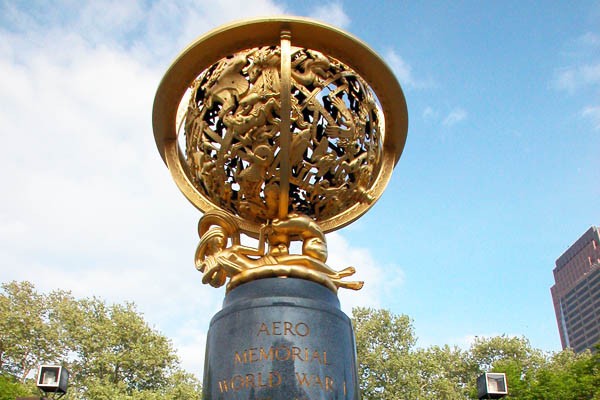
314	40
261	143
285	135
282	129
220	254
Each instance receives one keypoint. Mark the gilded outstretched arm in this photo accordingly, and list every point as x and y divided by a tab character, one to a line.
218	261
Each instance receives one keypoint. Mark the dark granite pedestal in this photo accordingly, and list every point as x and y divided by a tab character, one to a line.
280	339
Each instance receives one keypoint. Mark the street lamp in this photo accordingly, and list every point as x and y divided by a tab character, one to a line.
492	385
52	379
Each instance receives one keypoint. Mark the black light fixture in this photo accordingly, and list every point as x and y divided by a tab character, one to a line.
492	385
52	379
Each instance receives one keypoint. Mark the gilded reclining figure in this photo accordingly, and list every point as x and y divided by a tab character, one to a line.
218	259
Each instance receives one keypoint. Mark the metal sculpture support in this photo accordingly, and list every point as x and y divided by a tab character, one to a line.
282	129
242	264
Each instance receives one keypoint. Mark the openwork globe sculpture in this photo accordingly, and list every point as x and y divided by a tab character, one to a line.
282	129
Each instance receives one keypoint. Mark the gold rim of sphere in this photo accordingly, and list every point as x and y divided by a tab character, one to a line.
229	39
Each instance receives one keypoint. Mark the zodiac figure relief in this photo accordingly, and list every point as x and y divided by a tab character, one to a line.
221	255
228	84
232	133
271	135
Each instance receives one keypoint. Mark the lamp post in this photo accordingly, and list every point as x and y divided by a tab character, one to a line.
52	381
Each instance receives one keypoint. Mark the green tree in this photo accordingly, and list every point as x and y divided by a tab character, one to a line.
566	376
11	388
593	369
180	385
486	352
29	332
513	356
443	373
383	343
114	344
391	368
109	350
183	385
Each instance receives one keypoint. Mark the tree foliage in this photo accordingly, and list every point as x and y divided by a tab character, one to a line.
566	376
112	353
29	330
11	388
109	350
391	367
383	344
443	372
114	345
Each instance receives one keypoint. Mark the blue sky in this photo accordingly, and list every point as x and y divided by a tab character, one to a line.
499	174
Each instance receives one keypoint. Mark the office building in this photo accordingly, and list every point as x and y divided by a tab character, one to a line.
576	292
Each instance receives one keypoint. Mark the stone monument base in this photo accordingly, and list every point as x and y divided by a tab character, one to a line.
280	339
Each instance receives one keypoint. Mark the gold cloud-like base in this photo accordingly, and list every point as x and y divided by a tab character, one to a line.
291	271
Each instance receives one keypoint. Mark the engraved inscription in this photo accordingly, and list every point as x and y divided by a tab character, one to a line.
283	328
310	380
248	381
281	353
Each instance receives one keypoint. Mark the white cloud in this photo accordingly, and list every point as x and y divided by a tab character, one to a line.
454	117
331	13
583	78
380	280
430	114
593	113
403	71
88	205
590	39
573	78
190	342
153	33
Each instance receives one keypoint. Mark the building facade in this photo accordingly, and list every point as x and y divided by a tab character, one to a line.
576	292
